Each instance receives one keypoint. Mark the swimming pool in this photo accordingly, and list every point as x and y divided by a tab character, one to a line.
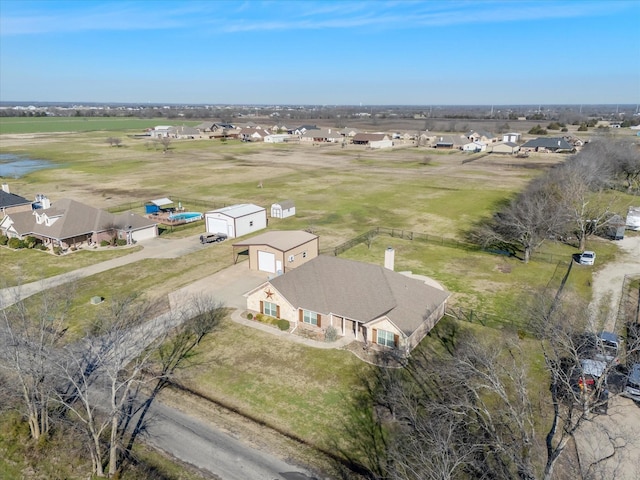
185	217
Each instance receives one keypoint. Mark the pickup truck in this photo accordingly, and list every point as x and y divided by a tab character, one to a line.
212	238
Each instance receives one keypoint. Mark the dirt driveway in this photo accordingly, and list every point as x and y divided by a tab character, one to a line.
607	284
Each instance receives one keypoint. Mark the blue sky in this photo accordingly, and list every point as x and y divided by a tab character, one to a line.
321	52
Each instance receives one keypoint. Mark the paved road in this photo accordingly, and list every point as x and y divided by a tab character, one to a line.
174	431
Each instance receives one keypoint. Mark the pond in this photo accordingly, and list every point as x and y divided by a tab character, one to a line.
16	166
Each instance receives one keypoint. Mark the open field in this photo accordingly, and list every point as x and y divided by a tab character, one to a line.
339	193
10	125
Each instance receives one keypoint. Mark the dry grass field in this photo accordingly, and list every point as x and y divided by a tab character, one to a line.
339	193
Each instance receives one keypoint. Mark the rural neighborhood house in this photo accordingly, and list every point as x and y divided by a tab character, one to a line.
369	303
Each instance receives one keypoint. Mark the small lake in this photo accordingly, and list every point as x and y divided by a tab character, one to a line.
16	166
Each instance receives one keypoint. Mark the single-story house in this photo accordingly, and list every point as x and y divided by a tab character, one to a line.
505	147
68	223
12	203
301	129
184	132
553	144
475	146
348	132
372	140
321	135
481	136
236	220
283	209
278	251
366	302
450	141
249	134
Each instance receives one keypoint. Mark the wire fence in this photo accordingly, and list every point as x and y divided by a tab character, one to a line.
186	203
368	237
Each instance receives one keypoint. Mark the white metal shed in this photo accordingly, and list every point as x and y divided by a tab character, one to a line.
236	220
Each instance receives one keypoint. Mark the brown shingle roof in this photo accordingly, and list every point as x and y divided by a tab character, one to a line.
359	291
280	240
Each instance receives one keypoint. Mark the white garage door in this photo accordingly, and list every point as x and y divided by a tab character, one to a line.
216	225
145	234
266	262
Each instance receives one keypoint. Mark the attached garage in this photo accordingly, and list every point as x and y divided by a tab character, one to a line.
144	234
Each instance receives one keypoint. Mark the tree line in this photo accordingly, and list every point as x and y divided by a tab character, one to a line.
570	202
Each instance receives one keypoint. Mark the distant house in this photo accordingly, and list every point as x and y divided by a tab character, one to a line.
279	251
248	134
348	132
67	223
481	136
506	148
553	144
184	132
301	129
12	203
368	303
236	220
205	127
450	141
283	209
372	140
475	146
321	135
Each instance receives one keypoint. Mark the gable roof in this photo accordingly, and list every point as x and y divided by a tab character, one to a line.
552	143
279	239
285	204
12	200
359	291
369	137
240	210
75	219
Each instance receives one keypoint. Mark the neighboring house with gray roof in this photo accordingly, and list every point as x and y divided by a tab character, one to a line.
12	203
67	223
367	302
552	144
321	135
278	251
481	136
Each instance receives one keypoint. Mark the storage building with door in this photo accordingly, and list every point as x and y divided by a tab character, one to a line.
278	251
236	220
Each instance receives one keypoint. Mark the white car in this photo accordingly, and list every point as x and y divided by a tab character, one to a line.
587	258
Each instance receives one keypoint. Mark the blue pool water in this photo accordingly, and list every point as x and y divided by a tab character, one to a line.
186	216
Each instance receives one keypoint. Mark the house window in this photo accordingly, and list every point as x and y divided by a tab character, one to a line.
270	309
310	317
385	338
251	223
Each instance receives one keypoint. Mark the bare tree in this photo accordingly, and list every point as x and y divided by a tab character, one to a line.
108	370
584	195
524	223
114	141
165	142
29	336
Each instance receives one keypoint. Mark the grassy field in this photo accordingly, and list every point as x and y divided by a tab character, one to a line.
339	194
12	125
